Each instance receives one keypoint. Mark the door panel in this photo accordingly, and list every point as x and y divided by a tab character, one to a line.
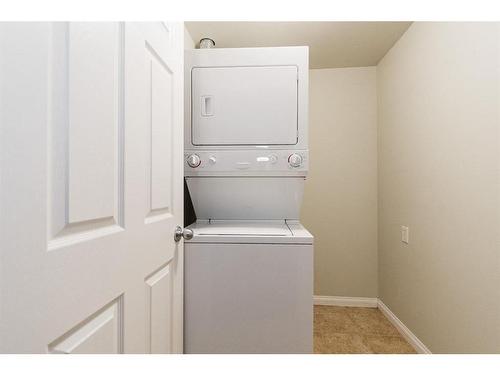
95	115
244	114
99	334
160	303
161	89
85	128
91	187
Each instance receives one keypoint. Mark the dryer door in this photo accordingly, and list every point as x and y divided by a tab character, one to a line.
255	105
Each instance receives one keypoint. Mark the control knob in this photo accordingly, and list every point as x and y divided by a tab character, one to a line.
295	160
193	161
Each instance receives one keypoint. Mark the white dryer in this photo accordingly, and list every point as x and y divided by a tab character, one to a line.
249	266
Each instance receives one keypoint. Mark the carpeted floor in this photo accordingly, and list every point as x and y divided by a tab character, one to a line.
356	330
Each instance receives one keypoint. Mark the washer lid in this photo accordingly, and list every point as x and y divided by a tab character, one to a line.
249	232
242	228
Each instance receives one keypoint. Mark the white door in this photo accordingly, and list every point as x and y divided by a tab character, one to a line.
91	187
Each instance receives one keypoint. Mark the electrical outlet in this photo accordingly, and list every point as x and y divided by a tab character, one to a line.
405	234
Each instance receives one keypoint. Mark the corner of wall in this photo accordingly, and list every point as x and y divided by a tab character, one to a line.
188	39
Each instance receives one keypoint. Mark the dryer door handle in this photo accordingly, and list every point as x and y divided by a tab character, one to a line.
207	105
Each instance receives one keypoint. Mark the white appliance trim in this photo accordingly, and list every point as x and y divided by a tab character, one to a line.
408	335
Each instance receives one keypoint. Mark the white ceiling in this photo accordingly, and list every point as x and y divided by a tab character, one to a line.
331	44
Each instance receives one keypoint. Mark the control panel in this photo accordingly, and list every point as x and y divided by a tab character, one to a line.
271	161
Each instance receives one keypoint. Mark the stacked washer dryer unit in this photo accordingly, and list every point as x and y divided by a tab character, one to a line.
249	267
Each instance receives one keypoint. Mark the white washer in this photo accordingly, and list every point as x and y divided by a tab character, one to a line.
248	288
248	278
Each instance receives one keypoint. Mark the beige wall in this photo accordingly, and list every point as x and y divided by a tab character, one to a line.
438	161
340	201
188	41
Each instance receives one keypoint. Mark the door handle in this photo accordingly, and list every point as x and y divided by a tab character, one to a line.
207	106
179	233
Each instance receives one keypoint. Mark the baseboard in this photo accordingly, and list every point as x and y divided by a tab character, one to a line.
404	330
346	301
